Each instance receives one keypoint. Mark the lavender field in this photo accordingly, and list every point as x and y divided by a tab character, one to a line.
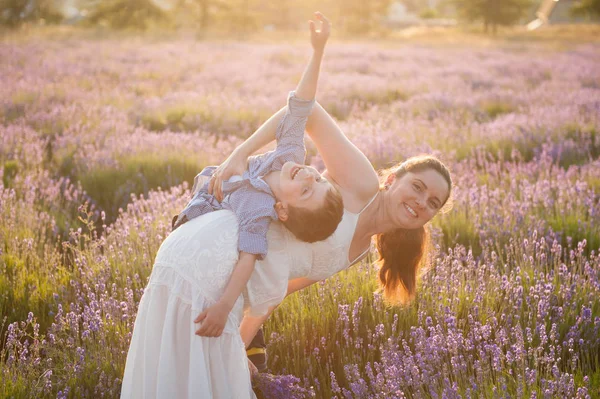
100	140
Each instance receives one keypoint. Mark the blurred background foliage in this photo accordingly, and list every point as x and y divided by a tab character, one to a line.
355	17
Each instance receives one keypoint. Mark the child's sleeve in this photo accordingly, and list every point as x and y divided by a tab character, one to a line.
202	178
254	212
290	130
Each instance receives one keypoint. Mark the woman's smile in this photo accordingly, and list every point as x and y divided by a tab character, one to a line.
410	210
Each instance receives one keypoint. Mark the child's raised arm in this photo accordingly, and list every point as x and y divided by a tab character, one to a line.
236	163
307	87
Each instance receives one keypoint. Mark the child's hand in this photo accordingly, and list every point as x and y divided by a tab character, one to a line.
318	38
235	164
213	320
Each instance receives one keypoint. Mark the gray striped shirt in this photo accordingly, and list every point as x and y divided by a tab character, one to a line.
249	196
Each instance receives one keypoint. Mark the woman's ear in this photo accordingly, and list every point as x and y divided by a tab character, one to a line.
390	179
282	211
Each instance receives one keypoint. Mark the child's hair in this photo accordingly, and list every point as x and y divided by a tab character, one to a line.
316	225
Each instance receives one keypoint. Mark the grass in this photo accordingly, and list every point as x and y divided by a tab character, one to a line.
28	288
493	109
573	229
458	228
187	117
111	187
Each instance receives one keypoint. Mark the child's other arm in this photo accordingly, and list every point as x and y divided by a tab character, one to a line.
214	318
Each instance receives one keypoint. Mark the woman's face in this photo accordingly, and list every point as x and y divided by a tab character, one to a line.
416	197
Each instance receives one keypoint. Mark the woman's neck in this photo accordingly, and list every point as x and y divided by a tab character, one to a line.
374	219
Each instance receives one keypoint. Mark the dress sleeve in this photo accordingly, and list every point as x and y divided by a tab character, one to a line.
267	285
290	130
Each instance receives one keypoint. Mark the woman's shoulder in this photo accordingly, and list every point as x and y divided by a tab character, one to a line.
361	194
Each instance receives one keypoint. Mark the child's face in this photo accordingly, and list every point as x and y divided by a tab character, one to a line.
302	186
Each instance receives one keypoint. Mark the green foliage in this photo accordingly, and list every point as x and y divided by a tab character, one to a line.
458	228
587	8
495	108
379	97
13	13
14	388
112	187
428	13
11	168
123	14
363	16
492	12
573	228
27	285
188	117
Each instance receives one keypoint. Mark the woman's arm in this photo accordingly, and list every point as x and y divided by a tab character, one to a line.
298	284
250	325
346	164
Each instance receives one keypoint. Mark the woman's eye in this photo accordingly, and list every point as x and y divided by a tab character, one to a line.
417	187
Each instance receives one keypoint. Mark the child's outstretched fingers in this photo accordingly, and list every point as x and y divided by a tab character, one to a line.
322	18
319	31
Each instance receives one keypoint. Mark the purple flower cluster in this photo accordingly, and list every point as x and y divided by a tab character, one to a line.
281	386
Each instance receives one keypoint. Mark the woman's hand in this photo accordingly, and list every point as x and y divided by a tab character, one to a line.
213	320
318	38
235	164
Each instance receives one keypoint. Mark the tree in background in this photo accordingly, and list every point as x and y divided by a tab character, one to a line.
199	14
586	8
13	13
361	17
121	14
492	12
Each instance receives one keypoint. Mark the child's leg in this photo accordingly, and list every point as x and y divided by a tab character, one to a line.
257	351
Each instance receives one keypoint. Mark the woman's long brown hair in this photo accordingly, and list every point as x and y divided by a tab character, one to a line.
402	252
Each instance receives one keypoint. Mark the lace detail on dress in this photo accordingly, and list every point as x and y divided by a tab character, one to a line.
193	294
325	263
204	251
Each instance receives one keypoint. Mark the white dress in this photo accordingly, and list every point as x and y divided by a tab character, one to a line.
192	267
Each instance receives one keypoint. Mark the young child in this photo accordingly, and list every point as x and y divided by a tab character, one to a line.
276	186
